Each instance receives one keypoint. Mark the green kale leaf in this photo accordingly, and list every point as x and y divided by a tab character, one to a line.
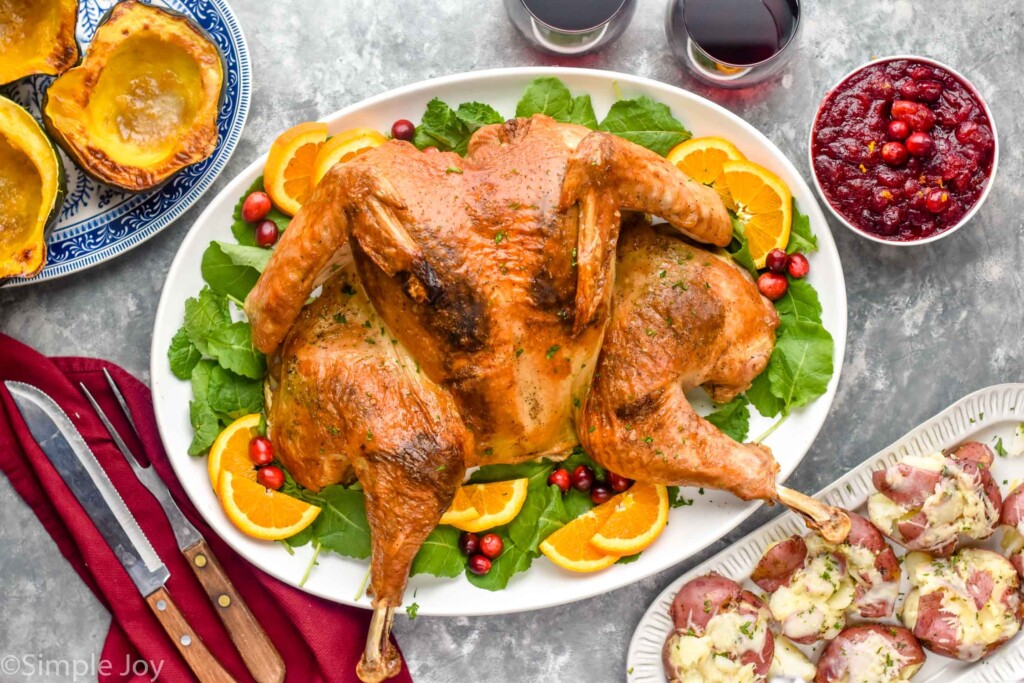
440	554
648	123
801	364
341	526
548	95
800	236
183	355
732	418
232	395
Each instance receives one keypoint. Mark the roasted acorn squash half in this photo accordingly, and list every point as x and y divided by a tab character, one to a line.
31	191
37	37
143	104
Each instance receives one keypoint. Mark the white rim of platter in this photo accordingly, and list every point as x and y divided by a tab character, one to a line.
985	415
544	585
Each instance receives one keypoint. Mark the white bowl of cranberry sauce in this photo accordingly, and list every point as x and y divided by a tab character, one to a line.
904	150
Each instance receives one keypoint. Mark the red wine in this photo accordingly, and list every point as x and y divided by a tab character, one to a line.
741	32
573	15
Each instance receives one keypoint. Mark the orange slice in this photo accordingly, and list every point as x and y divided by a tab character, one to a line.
570	547
496	503
261	513
461	510
763	203
288	175
230	452
638	519
702	159
343	147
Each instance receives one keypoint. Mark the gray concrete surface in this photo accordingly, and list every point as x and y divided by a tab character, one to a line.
927	325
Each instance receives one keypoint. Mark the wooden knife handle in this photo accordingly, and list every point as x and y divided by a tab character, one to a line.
203	664
261	657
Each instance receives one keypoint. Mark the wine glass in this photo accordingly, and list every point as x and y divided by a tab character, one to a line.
570	27
733	43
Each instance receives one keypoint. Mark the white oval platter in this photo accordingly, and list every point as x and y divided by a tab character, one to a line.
691	528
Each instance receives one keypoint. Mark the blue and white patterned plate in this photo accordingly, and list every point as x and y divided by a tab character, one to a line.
97	221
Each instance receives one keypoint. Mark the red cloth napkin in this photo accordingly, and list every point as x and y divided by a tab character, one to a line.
320	641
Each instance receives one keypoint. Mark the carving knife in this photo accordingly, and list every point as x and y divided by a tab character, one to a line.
260	656
64	446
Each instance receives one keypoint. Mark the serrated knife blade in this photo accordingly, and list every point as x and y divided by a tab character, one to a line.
64	446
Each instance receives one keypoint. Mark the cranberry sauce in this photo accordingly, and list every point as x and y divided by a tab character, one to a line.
902	149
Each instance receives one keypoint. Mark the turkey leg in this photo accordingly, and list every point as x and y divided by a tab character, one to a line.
683	317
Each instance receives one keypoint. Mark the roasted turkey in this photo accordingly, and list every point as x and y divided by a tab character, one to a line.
502	307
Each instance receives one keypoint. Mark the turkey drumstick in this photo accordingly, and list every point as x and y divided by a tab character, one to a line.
346	401
683	317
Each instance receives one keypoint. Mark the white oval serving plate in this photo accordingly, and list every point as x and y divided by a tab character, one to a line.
986	415
544	585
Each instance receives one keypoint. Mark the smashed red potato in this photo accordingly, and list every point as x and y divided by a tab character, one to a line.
815	584
870	652
721	633
1013	517
928	502
963	606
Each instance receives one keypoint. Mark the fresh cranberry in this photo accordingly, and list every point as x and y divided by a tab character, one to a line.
920	73
270	476
772	285
618	482
469	542
255	207
479	565
898	130
892	220
261	451
937	200
266	234
929	91
561	479
894	153
915	114
889	178
909	90
970	133
582	478
491	545
880	199
403	129
601	493
798	266
431	150
776	261
920	144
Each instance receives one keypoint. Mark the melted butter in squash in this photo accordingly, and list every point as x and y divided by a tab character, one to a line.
37	37
144	100
143	104
31	191
21	193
